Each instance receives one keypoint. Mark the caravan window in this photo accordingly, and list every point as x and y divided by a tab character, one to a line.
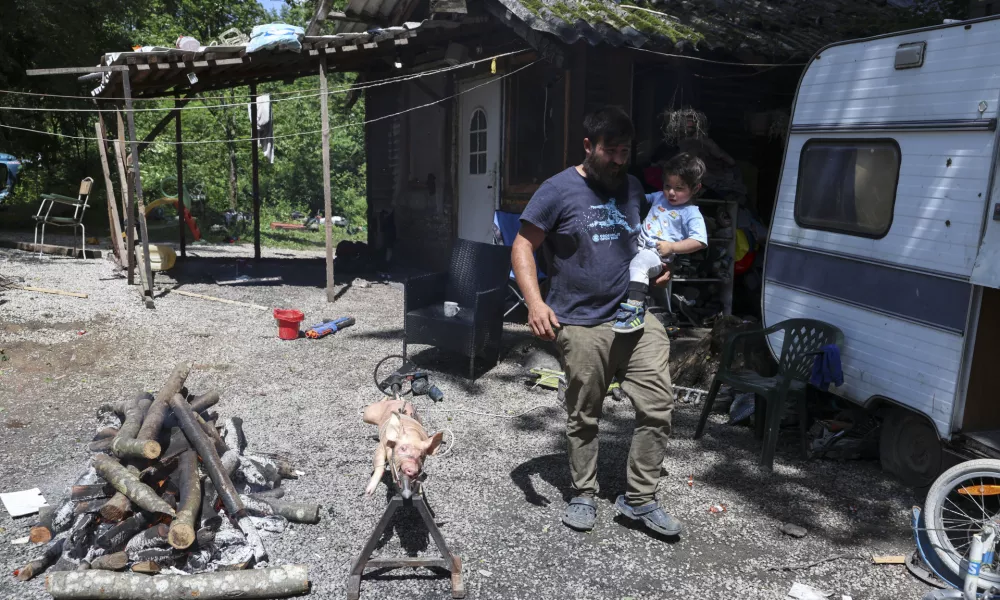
847	186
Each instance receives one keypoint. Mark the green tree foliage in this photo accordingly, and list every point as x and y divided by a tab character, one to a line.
59	33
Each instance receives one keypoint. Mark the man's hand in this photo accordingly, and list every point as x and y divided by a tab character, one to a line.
665	248
542	320
664	277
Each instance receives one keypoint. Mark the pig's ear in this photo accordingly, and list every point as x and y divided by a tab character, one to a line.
431	445
392	428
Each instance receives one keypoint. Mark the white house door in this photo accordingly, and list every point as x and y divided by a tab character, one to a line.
478	162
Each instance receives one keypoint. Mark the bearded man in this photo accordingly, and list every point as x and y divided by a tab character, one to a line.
586	220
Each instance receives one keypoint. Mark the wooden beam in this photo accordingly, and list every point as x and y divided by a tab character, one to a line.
116	227
327	201
179	149
319	17
75	70
50	249
255	172
127	192
137	182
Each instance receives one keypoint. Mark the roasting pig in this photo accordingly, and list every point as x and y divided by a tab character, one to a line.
402	442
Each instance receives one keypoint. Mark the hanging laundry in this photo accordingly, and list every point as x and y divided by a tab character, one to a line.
265	126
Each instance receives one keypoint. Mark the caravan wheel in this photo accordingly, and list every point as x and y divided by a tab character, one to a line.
909	448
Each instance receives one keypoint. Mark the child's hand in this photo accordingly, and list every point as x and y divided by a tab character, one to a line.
665	248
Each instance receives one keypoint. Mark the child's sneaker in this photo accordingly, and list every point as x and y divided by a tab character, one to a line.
630	317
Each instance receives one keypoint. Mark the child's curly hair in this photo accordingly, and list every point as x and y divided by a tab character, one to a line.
687	166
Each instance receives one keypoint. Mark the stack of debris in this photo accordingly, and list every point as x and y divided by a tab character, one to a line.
169	491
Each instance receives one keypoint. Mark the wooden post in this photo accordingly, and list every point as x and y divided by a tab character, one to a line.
255	159
323	101
127	192
180	177
137	181
116	226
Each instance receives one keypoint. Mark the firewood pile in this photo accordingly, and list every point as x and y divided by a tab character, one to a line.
170	492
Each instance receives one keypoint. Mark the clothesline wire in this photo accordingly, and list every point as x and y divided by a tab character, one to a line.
296	134
716	62
341	90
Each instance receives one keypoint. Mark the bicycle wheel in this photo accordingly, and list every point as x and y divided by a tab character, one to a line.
958	503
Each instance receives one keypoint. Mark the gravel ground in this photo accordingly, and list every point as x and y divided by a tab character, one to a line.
498	491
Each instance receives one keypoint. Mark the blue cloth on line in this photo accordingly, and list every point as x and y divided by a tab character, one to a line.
826	368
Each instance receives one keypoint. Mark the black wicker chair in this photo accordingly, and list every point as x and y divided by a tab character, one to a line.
477	281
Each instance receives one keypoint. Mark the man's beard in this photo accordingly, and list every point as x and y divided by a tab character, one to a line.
605	176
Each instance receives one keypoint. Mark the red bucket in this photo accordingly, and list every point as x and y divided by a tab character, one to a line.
288	323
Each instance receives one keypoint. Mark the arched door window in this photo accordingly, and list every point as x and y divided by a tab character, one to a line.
477	143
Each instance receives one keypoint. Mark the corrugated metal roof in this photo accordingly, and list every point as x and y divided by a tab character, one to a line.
774	28
158	70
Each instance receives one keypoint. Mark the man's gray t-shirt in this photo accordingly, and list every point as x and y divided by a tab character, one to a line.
590	238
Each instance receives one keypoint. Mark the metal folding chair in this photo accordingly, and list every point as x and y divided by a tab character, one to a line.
79	205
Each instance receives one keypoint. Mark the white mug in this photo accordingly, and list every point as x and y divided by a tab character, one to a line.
450	309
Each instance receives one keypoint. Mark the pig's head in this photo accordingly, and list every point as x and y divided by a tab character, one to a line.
409	448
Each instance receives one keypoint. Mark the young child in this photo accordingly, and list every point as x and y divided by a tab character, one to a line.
674	225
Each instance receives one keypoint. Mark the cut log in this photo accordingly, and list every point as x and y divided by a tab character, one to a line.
115	539
296	512
91	492
161	557
253	539
204	401
110	562
146	567
103	445
175	445
90	506
129	484
125	443
257	508
107	432
274	494
182	528
209	518
115	509
64	516
41	531
153	420
154	537
51	553
259	584
209	457
270	523
232	434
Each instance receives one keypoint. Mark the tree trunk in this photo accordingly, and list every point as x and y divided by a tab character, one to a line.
41	531
128	483
118	536
297	512
90	506
110	562
125	443
154	537
182	528
158	410
50	555
209	457
275	582
91	492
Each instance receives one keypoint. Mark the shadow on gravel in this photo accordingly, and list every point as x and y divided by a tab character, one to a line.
612	460
858	491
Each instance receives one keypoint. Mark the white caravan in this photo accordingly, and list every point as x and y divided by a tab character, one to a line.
887	225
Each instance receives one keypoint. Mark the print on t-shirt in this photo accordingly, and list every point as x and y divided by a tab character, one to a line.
606	217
